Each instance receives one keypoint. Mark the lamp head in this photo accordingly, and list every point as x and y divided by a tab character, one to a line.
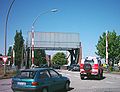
54	10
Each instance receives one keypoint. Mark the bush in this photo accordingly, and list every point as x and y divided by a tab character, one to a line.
9	73
110	68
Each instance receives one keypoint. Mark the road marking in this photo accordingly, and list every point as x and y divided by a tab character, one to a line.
77	76
109	82
68	74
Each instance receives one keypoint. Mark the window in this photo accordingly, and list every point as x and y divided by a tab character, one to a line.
54	74
89	61
26	74
44	74
99	62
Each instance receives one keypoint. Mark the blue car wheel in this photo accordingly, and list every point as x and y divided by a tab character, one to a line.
44	90
67	84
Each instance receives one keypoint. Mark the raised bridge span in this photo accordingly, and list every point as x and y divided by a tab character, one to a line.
57	41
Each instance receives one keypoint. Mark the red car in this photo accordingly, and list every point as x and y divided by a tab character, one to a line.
91	66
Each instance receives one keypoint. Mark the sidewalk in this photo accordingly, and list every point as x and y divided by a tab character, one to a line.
1	76
5	85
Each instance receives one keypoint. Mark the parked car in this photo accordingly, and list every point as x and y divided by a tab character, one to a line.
74	67
70	67
43	66
39	80
56	66
91	66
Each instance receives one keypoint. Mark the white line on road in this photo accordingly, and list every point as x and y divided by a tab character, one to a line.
109	82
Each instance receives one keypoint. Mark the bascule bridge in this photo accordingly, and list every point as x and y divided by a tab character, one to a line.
64	41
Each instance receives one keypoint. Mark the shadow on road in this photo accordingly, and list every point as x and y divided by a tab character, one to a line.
94	78
66	91
70	89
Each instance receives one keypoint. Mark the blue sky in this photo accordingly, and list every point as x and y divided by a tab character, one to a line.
90	18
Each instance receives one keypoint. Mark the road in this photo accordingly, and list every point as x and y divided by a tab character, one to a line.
110	83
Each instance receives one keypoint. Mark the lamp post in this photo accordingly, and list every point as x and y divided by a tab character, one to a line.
5	33
52	10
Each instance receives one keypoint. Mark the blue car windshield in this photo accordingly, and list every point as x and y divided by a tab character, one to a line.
26	74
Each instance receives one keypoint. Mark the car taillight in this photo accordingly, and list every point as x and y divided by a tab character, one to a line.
95	66
81	66
35	84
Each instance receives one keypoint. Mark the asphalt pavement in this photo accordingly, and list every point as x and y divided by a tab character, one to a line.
109	83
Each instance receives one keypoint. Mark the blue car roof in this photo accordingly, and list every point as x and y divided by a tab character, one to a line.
36	69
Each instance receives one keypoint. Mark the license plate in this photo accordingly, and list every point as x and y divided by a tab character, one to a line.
21	83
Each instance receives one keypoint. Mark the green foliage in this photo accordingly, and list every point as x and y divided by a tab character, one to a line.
9	51
110	68
18	47
40	57
113	47
59	58
10	54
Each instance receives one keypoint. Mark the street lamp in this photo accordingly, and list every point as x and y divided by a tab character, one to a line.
5	33
52	10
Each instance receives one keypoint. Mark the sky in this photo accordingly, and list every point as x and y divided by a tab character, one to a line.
89	18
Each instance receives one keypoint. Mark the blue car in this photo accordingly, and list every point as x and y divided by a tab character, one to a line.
39	80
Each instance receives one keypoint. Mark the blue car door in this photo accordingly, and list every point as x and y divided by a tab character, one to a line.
45	80
57	80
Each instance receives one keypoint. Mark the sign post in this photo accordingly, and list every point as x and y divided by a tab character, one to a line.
4	58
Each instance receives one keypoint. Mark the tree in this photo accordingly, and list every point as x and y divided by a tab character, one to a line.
18	48
9	51
40	57
59	58
113	47
10	54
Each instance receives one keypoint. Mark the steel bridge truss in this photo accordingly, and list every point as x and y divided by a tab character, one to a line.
56	41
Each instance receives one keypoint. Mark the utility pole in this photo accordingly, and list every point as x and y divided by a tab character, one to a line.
13	52
107	48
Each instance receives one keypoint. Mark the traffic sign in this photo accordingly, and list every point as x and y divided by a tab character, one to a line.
4	58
